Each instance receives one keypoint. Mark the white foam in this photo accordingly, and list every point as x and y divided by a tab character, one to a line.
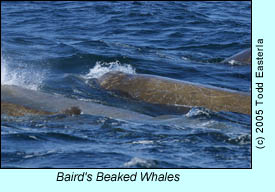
33	137
3	70
101	68
20	75
234	62
197	112
139	161
144	142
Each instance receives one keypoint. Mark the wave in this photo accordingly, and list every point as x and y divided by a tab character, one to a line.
101	68
140	162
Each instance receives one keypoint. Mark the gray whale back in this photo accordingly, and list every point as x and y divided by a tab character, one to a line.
17	99
243	57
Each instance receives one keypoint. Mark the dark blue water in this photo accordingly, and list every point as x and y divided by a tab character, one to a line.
62	47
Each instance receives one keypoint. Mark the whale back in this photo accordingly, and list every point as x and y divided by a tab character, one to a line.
18	101
166	91
243	57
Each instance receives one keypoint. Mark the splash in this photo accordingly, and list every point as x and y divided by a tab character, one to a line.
140	162
3	70
21	75
101	68
198	112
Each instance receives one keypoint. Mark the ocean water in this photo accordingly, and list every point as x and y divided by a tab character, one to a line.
63	47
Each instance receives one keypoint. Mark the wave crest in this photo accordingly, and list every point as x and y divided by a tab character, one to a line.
101	68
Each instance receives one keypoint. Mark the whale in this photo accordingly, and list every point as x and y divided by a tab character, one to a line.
241	58
19	101
167	91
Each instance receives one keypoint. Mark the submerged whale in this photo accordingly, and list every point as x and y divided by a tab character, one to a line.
243	57
166	91
18	101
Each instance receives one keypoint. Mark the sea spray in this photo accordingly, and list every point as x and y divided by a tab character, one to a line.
20	74
101	68
3	70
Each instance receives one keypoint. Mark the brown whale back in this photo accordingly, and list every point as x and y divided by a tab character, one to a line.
159	90
12	109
